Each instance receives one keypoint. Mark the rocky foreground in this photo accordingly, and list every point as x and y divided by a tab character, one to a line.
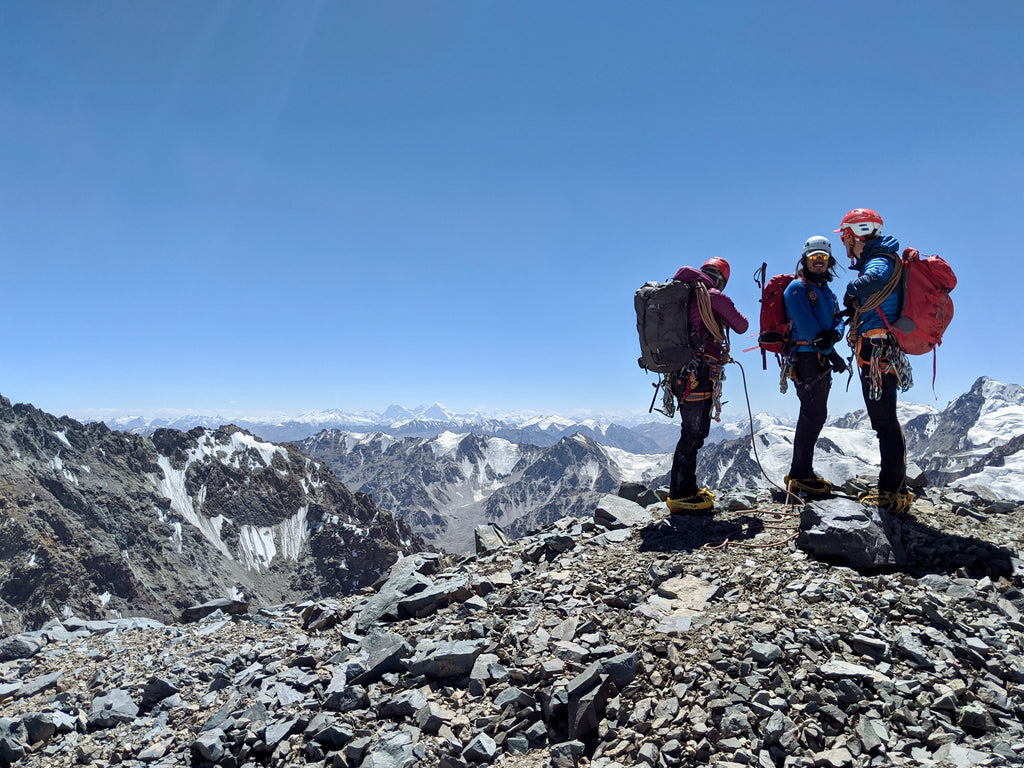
632	638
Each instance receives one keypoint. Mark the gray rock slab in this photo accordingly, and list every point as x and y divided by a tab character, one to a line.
209	745
489	538
616	512
38	685
404	704
384	652
394	750
19	647
435	596
448	659
849	533
407	577
224	605
111	709
617	536
481	749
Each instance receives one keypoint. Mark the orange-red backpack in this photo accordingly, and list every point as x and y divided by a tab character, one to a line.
927	307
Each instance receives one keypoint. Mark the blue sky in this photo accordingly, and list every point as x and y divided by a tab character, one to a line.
272	207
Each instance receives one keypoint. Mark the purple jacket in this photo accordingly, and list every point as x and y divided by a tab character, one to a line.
721	305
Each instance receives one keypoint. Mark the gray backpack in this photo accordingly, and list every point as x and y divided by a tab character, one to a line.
663	322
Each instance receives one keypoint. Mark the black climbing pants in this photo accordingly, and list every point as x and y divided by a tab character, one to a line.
892	446
813	383
695	413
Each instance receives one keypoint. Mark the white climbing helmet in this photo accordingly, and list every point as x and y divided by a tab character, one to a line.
817	244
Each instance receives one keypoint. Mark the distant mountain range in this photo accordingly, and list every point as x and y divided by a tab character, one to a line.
637	435
100	522
445	485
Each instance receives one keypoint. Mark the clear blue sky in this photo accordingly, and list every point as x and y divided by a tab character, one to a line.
276	206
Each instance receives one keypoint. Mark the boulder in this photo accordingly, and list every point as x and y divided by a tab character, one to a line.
850	533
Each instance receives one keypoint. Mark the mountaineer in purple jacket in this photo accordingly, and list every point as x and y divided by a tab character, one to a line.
698	388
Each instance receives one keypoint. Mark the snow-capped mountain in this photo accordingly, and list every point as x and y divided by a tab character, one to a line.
444	486
425	421
93	521
976	442
447	485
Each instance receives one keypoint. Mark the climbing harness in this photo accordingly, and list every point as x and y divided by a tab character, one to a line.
885	357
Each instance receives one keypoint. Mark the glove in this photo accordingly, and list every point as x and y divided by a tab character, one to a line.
826	339
837	362
848	300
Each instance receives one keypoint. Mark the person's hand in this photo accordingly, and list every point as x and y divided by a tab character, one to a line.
837	362
826	339
848	300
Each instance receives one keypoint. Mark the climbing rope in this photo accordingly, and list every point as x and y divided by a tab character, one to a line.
707	315
781	516
874	302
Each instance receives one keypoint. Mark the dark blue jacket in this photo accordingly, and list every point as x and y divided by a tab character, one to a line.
874	268
810	316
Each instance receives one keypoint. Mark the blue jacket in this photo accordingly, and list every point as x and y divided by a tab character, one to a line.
810	317
874	268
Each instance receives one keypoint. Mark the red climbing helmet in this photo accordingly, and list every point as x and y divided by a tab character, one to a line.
722	267
861	223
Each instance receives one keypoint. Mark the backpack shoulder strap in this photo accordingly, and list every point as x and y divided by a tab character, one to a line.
812	295
875	301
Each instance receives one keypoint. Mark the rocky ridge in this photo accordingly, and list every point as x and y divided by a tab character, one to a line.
626	638
446	485
98	523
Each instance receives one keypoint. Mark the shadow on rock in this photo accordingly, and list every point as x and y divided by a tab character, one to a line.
685	533
930	550
845	532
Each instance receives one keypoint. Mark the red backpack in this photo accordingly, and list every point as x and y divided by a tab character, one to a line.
775	323
927	308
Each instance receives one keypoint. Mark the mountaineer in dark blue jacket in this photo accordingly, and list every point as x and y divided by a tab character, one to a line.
816	327
883	366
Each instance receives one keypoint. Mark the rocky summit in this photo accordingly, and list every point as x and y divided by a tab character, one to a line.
767	635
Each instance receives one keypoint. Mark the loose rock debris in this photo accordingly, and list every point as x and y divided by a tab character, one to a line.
633	638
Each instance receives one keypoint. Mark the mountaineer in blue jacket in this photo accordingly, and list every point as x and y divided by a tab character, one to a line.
882	364
816	326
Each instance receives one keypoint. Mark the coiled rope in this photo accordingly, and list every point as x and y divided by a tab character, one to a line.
707	315
779	516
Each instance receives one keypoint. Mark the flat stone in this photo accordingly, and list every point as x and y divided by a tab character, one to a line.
224	605
38	685
765	652
19	647
210	745
383	652
489	538
481	749
616	512
847	532
448	659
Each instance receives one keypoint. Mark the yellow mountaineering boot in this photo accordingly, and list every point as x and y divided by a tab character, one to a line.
811	486
701	502
894	502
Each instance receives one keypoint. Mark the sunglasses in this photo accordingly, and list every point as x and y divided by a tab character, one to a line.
818	257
